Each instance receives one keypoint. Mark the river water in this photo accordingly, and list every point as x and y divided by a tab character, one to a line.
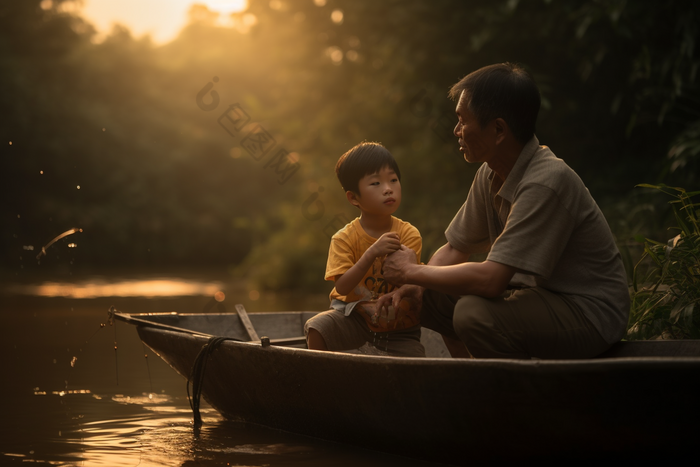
78	391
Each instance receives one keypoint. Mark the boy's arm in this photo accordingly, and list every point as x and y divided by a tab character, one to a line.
414	241
346	283
387	243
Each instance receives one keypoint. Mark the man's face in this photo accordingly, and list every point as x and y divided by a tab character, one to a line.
477	143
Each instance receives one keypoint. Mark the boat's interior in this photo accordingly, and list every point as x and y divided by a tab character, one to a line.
287	329
281	328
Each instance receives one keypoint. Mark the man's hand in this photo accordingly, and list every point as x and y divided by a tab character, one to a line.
394	297
386	244
396	265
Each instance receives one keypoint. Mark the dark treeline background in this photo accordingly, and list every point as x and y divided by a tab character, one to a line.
163	185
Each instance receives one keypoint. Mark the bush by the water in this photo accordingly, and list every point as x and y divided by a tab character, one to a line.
666	284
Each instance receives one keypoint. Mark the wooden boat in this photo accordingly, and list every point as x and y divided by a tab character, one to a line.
638	401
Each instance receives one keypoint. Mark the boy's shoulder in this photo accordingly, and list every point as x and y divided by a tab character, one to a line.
403	227
353	230
348	230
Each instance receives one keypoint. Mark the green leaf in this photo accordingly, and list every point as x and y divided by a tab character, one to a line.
688	314
676	313
639	239
654	242
681	223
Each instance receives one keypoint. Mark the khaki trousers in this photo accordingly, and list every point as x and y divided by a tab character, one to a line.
522	323
342	332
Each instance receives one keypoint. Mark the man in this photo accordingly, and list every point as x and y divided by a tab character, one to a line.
553	284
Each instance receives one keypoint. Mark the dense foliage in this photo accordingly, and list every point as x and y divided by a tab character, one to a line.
666	284
163	183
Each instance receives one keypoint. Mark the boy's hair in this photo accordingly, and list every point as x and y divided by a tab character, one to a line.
364	159
506	91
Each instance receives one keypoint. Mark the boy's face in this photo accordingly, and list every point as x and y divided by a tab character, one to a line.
379	193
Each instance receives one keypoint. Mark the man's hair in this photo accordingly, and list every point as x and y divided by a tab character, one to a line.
503	90
364	159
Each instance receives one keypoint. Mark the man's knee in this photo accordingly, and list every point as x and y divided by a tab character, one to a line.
474	325
437	312
471	318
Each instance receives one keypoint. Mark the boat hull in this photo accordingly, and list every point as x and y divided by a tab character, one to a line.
451	410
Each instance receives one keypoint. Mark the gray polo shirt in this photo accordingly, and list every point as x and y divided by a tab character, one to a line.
544	222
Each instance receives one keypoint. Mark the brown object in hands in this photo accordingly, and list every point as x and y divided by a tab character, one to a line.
389	319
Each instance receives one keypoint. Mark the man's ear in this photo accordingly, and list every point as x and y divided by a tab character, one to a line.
352	198
501	130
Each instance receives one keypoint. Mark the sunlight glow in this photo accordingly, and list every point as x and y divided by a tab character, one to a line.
337	16
162	19
335	54
143	288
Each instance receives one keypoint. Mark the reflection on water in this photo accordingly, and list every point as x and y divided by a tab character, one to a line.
132	288
143	399
151	431
158	431
38	392
115	408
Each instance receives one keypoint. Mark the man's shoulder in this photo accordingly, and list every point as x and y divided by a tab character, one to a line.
547	170
551	178
482	180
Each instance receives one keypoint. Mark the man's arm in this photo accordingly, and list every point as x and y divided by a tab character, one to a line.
487	279
448	272
446	255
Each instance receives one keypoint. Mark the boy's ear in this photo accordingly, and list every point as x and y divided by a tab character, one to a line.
352	198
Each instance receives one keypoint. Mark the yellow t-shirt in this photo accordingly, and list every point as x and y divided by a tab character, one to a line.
347	247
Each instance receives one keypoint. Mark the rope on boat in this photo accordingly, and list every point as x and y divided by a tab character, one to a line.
197	375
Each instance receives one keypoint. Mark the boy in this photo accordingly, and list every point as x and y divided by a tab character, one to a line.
372	181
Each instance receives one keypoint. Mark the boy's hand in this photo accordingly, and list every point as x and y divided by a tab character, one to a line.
387	243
